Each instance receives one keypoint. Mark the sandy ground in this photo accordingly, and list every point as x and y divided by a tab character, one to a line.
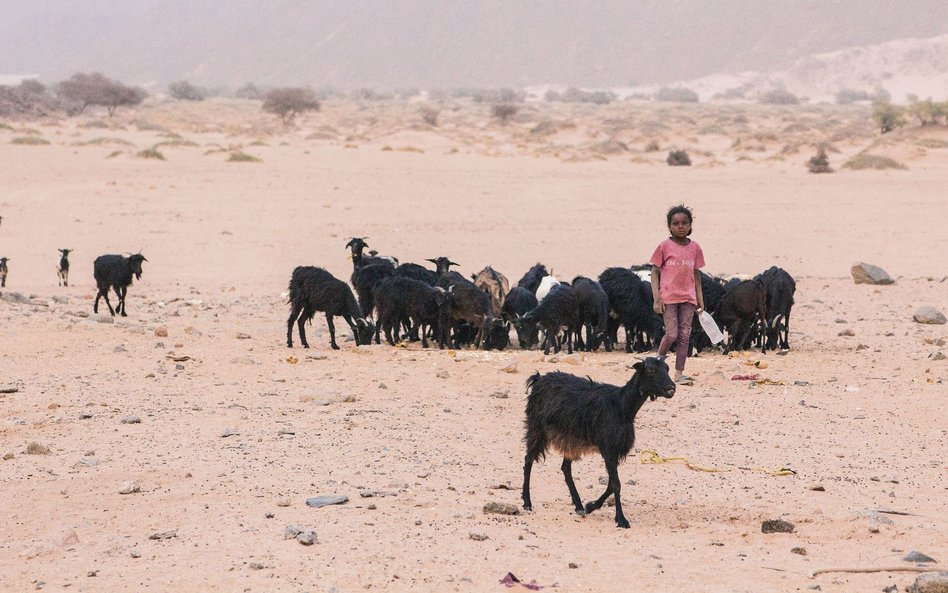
863	416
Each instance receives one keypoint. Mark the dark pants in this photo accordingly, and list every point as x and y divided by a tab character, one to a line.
678	319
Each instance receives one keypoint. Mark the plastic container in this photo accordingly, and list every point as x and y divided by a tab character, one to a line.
710	327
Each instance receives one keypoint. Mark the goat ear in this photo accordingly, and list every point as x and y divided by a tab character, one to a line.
434	261
453	263
639	365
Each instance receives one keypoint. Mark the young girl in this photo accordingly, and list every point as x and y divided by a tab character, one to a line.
676	285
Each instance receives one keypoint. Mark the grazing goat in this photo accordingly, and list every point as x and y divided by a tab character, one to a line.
713	289
558	312
576	416
399	300
494	284
546	284
115	272
366	280
416	272
630	305
469	305
356	245
518	303
742	311
314	289
3	271
780	287
442	265
63	269
593	309
531	280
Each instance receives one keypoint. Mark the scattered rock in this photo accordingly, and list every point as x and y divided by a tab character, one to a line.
326	500
178	366
929	315
307	537
70	538
103	318
229	432
9	388
442	374
817	488
501	508
35	448
161	332
777	526
932	582
243	336
134	553
510	368
7	456
15	297
478	537
291	531
256	566
573	565
85	416
129	487
864	273
936	356
131	419
891	589
383	386
861	347
815	588
916	556
284	502
877	517
798	550
501	394
164	535
848	333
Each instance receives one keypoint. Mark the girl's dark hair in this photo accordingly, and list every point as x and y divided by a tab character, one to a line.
679	209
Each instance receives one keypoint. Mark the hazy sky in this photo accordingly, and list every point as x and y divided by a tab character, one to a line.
439	43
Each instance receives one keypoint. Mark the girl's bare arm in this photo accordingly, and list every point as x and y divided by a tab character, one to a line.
698	292
659	306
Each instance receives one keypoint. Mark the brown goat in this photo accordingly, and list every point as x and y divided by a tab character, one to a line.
494	284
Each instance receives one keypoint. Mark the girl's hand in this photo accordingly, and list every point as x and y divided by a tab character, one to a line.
699	309
659	307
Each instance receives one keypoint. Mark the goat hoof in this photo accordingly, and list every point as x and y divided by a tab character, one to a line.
581	512
334	347
528	507
622	524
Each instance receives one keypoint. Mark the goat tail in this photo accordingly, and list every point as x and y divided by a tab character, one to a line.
295	289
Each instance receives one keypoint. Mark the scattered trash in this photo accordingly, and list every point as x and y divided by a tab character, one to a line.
745	378
326	500
510	580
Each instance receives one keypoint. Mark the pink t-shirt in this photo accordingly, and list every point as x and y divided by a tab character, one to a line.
678	264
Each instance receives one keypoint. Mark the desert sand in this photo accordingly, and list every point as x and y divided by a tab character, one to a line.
420	440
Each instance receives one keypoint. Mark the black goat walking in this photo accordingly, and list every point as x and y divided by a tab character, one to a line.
743	312
558	311
115	272
63	269
593	307
577	416
314	289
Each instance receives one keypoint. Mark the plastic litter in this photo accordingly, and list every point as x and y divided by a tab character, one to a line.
710	327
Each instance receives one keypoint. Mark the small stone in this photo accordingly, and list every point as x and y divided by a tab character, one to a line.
383	386
243	336
131	419
129	487
178	367
864	273
878	518
932	582
256	566
71	538
85	416
307	537
8	388
92	573
873	529
326	500
817	488
840	320
284	502
815	588
119	349
501	394
134	553
848	333
372	507
937	356
777	526
103	318
573	565
442	374
7	456
478	537
929	315
501	508
164	535
417	522
510	368
161	332
229	432
291	531
798	550
916	556
861	347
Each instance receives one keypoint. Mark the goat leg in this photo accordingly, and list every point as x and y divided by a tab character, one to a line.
567	468
355	330
612	468
332	332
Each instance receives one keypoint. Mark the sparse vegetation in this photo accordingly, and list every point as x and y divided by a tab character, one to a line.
239	156
678	158
676	95
819	163
575	95
114	154
887	116
29	141
150	153
96	89
778	97
249	91
872	161
504	111
185	91
429	114
928	112
652	146
289	102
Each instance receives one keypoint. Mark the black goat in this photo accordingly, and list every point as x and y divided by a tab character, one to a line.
417	272
518	303
531	280
780	287
469	305
365	280
115	272
630	305
712	288
314	289
63	269
356	245
558	312
593	309
4	269
577	416
743	311
400	300
442	265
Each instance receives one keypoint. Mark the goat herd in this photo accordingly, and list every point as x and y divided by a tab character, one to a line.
411	301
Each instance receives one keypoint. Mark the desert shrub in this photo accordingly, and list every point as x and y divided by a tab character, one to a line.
737	92
887	116
504	111
504	95
575	95
150	153
678	158
367	94
928	112
872	161
652	146
778	97
552	96
185	91
819	163
29	141
32	99
429	115
96	89
676	95
239	156
6	127
114	154
932	143
847	96
176	142
289	101
249	91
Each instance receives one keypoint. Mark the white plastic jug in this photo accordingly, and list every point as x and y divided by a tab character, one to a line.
710	327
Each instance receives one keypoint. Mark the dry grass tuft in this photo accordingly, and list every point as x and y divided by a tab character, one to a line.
150	153
872	161
239	156
29	141
35	448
